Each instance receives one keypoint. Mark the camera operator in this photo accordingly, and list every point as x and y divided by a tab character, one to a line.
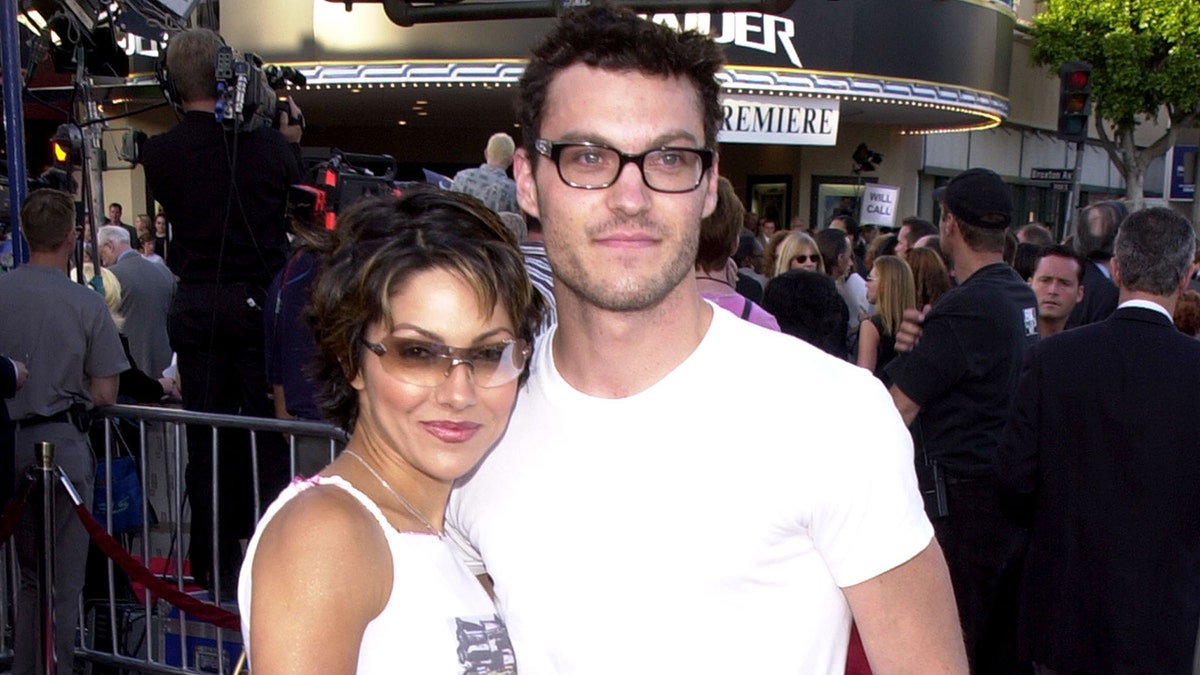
225	193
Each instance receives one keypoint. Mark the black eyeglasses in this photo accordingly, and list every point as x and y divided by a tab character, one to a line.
428	364
595	166
801	259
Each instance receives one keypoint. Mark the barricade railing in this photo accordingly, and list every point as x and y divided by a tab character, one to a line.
148	631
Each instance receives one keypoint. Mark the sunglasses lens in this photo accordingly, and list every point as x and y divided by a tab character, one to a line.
428	364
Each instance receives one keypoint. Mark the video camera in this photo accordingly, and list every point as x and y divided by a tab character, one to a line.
338	182
246	98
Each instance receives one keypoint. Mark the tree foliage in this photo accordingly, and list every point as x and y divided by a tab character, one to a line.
1145	57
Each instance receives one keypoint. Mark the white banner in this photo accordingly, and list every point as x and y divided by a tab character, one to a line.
782	120
878	205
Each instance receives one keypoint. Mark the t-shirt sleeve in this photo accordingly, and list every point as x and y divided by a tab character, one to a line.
462	545
935	365
870	517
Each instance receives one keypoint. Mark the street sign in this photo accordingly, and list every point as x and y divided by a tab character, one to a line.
1060	187
1053	175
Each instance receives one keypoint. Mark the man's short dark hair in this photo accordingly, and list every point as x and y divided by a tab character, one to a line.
851	225
1037	234
1154	250
47	217
719	232
191	62
917	228
807	305
1063	252
1094	237
832	243
617	39
989	239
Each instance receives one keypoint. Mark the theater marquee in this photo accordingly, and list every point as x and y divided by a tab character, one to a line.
783	120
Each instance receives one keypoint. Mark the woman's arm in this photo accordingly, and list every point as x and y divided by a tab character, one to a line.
868	345
321	573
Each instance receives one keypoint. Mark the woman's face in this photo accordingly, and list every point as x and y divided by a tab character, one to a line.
160	226
873	285
806	259
444	429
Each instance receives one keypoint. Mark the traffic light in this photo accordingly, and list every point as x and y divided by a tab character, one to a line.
1074	98
68	144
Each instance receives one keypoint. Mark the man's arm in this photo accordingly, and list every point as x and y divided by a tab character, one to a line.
909	409
103	390
908	619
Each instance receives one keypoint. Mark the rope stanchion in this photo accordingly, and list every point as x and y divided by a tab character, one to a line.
137	572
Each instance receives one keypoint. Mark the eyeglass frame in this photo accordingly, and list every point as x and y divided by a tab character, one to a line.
815	257
456	356
553	150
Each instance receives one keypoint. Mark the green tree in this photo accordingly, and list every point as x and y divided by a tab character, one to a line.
1145	57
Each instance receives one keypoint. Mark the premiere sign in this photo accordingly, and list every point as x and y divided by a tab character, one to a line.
879	205
779	120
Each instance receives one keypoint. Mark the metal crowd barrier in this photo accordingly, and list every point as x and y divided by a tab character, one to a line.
147	635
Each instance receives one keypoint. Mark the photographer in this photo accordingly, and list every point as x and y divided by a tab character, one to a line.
225	192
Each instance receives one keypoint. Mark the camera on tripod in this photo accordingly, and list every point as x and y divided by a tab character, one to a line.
246	98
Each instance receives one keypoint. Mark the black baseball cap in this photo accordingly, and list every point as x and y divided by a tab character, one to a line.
978	197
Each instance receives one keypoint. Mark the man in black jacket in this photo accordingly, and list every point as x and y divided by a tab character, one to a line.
1102	445
225	194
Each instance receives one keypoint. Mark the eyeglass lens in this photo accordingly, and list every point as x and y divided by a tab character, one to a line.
596	166
428	364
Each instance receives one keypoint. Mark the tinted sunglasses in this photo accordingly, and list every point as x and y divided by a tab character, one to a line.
428	364
801	259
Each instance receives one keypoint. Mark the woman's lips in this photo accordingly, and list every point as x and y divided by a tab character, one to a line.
452	432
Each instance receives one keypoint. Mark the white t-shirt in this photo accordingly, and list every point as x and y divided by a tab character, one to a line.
691	528
438	618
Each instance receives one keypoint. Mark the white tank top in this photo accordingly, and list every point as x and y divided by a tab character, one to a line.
438	618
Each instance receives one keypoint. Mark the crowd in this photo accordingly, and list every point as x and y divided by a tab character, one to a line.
555	460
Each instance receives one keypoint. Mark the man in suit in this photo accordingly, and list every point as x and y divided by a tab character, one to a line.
12	376
1098	228
146	293
1101	449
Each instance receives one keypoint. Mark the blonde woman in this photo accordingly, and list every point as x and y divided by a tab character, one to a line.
891	289
797	251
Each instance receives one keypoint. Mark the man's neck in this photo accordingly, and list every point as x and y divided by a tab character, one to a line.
1167	302
208	105
968	261
1048	326
618	354
55	259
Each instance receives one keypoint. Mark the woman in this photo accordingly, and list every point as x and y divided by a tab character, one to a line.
929	275
797	251
424	319
891	290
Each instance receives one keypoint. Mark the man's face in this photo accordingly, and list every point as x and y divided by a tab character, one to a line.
114	213
768	228
108	253
624	247
902	240
1056	284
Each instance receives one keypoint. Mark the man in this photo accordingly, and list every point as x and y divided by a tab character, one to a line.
146	293
716	273
1058	284
954	389
912	228
64	334
229	239
13	374
622	531
114	218
1102	440
538	267
490	183
1098	228
1035	233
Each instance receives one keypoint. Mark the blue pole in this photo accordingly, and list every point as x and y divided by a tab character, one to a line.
14	123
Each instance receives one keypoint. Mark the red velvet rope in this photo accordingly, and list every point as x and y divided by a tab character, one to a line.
213	614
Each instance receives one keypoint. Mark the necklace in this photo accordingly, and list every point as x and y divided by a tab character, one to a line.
719	281
399	497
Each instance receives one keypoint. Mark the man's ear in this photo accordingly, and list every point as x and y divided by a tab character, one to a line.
526	182
1115	267
710	196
